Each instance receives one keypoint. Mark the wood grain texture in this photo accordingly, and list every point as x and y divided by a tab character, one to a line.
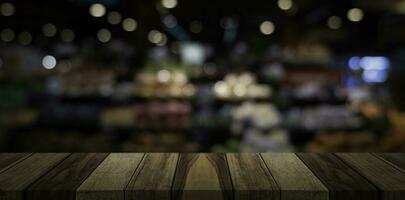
341	180
202	176
62	181
7	160
295	180
109	180
397	159
390	180
250	177
14	180
153	178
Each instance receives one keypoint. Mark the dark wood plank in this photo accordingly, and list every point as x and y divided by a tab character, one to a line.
62	181
202	176
387	178
14	180
397	159
341	180
295	180
153	178
250	177
109	180
7	160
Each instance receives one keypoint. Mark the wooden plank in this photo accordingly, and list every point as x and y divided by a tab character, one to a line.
14	180
397	159
250	177
7	160
153	178
202	176
387	178
62	181
109	180
295	180
341	180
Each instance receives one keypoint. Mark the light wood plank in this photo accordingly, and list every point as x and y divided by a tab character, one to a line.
295	180
62	181
341	180
14	180
109	180
8	160
202	176
387	178
153	178
250	177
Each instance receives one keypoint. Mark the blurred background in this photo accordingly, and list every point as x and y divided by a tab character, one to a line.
202	76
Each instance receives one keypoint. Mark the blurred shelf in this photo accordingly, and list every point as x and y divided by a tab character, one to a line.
301	102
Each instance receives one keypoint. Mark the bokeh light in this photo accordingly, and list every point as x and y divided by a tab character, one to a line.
7	9
169	3
267	27
104	35
97	10
49	30
129	24
49	62
25	38
355	14
114	17
285	4
334	22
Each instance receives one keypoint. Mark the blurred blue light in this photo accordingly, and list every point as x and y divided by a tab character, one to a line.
352	82
374	76
374	63
354	63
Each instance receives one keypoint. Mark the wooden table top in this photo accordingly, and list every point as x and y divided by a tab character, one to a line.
286	176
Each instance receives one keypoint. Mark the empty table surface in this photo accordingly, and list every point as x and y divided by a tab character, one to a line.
285	176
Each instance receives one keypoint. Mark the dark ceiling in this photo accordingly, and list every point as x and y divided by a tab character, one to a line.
382	28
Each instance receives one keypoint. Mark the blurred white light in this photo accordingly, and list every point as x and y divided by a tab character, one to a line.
49	62
162	41
49	30
104	35
169	3
25	38
164	76
170	21
155	36
240	90
114	17
192	53
285	4
7	35
267	27
129	24
7	9
196	27
67	35
374	63
354	63
180	78
97	10
334	22
221	89
355	14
